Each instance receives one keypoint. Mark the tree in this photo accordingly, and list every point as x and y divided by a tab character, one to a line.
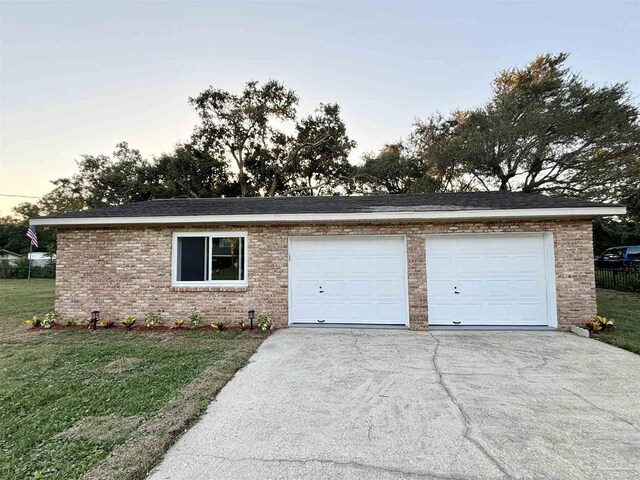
545	130
251	129
388	172
101	181
409	166
13	230
195	169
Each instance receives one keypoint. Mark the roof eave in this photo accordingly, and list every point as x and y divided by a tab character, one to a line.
488	214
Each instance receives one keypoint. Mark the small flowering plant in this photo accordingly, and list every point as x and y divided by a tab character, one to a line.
49	319
599	324
106	323
178	323
264	322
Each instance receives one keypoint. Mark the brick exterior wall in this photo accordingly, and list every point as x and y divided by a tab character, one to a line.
127	270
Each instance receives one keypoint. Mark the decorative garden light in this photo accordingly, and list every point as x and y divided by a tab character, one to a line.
95	318
252	316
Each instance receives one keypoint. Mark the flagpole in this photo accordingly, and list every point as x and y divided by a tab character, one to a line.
29	259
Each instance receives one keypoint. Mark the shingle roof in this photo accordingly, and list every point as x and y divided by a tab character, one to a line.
333	204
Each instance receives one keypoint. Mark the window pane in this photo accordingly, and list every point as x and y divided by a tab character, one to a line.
227	258
633	253
191	259
613	254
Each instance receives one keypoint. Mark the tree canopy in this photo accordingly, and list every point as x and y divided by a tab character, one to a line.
544	129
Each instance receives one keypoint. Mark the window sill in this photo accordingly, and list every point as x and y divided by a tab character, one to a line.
210	288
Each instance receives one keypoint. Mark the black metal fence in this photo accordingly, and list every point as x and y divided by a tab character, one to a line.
626	278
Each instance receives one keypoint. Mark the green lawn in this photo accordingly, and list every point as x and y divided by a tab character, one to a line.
624	309
70	398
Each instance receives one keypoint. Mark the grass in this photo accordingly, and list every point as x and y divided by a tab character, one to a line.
624	309
103	404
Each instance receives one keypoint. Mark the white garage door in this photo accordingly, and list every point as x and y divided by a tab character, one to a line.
348	280
500	279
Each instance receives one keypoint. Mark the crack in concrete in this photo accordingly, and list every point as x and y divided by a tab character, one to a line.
355	342
542	364
408	473
463	415
598	407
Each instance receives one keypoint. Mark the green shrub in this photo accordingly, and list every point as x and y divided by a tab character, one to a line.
106	323
195	319
153	320
264	322
49	319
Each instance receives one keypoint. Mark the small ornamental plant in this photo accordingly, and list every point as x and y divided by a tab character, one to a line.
72	322
219	325
106	323
195	319
129	322
242	324
33	322
599	324
49	319
153	320
264	322
178	323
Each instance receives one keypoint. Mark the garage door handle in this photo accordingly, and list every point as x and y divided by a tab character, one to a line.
457	293
320	321
321	291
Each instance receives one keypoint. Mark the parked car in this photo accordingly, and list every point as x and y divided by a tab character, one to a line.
618	257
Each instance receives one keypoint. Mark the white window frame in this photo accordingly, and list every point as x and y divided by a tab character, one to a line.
244	255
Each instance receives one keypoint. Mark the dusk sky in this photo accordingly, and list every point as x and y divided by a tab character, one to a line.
79	77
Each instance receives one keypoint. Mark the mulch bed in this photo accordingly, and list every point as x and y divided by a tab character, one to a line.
142	328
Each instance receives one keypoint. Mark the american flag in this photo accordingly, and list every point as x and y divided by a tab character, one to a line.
31	235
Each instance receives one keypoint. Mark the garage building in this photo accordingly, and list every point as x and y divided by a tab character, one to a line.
457	260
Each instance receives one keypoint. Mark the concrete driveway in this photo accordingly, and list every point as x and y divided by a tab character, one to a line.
387	404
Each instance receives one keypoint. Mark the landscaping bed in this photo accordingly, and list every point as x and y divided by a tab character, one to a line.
101	404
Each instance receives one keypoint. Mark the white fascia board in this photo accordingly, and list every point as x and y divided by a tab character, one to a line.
335	217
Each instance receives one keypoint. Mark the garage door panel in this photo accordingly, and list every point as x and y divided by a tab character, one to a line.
359	288
393	288
306	312
440	266
502	314
391	310
390	265
357	265
331	263
332	311
500	279
332	289
306	287
439	289
305	264
363	279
